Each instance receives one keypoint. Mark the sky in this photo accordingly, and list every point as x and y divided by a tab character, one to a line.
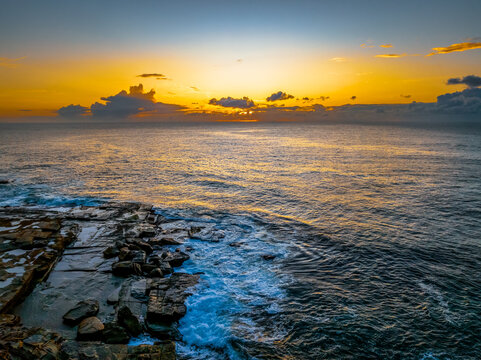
234	57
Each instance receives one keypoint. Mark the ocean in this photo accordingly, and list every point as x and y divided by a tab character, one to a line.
374	230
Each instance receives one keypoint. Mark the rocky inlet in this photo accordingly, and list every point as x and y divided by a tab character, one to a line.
80	283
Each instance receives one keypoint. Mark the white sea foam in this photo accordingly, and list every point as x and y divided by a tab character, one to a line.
236	283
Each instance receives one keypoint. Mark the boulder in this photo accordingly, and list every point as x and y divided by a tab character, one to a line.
156	273
124	254
90	329
82	310
111	252
115	334
175	259
122	268
129	321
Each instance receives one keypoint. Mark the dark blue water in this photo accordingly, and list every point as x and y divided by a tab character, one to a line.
375	229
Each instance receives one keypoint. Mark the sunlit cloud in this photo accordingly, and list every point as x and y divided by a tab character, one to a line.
386	46
242	103
194	88
390	56
154	75
10	63
455	48
406	96
279	96
367	46
470	81
338	59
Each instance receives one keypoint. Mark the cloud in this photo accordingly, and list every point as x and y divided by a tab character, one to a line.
10	63
455	47
353	97
243	103
194	88
367	46
406	96
155	75
123	105
470	80
324	98
72	110
460	102
338	59
279	96
390	56
386	46
305	98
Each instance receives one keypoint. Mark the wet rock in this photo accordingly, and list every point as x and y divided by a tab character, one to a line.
111	252
147	268
166	268
163	331
164	241
156	273
115	334
138	290
29	344
175	259
268	257
236	244
126	268
113	298
90	329
4	181
142	245
124	254
138	256
129	321
167	297
82	310
9	320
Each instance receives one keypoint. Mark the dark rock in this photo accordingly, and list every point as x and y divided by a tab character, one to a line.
129	321
138	256
163	331
167	296
175	259
82	310
115	334
136	269
155	259
111	252
9	320
268	257
124	254
236	244
122	268
147	268
90	329
164	241
4	181
142	245
166	268
156	273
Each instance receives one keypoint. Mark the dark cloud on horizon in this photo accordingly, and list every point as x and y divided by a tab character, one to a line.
155	75
72	110
470	80
123	105
467	101
243	103
354	97
406	96
279	96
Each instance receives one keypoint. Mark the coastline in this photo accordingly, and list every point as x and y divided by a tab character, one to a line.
97	280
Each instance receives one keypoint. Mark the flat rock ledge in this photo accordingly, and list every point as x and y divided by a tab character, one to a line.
122	246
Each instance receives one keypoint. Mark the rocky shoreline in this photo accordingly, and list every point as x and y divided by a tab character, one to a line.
85	281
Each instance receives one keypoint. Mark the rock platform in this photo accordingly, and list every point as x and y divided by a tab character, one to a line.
79	283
